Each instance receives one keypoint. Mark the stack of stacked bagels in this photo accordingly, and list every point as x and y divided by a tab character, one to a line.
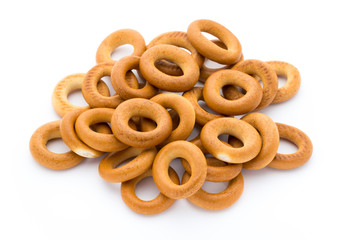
151	121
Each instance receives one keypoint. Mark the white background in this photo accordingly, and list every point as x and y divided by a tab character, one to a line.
43	41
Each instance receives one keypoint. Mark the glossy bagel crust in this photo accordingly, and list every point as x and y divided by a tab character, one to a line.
210	50
217	201
293	81
269	136
68	84
301	156
99	141
116	39
71	139
56	161
237	128
143	160
155	206
164	81
120	84
218	103
197	161
138	107
202	116
179	39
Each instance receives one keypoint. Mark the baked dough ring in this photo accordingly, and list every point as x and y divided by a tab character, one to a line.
209	49
116	39
92	95
70	138
297	159
164	81
292	84
217	170
119	82
196	159
157	205
178	39
270	140
56	161
184	110
99	141
139	107
265	73
202	116
217	201
237	128
239	106
68	84
143	160
205	71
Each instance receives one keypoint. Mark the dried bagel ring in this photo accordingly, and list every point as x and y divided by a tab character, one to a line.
210	50
205	71
178	39
157	205
270	140
190	153
46	158
265	73
68	84
234	127
292	84
202	116
143	160
217	171
139	107
297	159
70	138
164	81
185	112
116	39
99	141
92	95
222	105
119	82
217	201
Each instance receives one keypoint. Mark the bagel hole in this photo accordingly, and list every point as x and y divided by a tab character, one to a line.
101	128
204	106
126	161
224	88
214	187
235	142
211	37
213	65
177	166
146	189
185	49
287	147
139	78
282	80
122	51
164	62
107	81
75	97
223	137
57	145
147	124
175	118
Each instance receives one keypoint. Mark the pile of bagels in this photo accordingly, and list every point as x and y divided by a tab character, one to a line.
150	121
